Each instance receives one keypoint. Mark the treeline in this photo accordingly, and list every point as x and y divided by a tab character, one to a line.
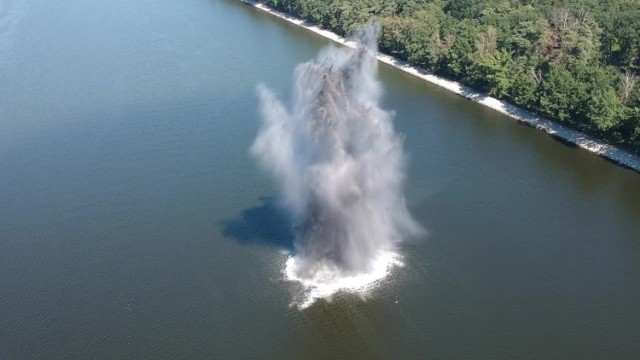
576	61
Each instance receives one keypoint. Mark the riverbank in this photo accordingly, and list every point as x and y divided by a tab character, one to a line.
565	134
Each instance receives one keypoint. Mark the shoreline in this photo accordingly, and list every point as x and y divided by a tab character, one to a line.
555	129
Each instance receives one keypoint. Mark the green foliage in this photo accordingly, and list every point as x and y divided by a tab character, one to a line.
565	59
559	93
524	89
493	74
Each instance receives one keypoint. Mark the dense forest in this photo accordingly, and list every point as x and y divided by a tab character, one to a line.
576	61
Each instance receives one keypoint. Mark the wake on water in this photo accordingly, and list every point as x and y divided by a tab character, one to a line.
340	167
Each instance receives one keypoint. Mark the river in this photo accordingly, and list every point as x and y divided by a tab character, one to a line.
135	225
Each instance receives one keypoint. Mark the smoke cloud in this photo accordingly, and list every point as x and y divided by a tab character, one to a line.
340	167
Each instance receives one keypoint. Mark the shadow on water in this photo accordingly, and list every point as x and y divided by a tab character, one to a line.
266	224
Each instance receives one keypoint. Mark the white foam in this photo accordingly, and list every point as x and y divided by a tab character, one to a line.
329	280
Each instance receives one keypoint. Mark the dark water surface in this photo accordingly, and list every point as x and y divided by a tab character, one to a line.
134	225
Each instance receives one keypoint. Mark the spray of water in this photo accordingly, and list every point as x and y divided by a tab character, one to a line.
340	167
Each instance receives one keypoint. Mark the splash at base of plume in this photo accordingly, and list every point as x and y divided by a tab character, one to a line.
328	281
340	167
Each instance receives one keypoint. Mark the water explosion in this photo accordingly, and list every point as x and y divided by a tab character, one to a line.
340	167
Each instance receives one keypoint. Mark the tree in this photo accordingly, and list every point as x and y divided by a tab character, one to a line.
575	61
558	94
486	42
422	49
493	74
525	86
629	81
394	36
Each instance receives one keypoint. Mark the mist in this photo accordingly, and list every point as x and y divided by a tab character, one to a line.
340	169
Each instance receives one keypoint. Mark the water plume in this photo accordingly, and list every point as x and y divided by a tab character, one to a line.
340	167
